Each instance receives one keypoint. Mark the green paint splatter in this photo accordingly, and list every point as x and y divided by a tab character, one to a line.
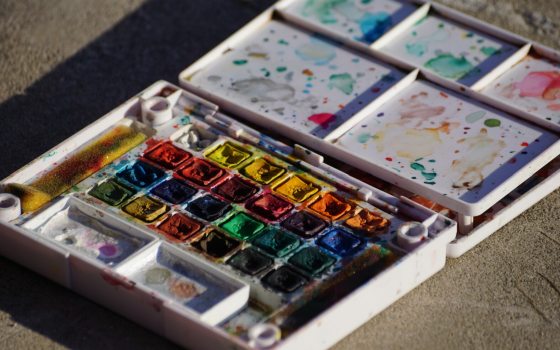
475	116
449	66
185	120
282	42
239	62
281	69
342	82
429	176
363	138
489	51
266	72
492	123
432	161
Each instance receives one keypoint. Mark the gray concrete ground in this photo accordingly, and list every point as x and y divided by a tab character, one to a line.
65	63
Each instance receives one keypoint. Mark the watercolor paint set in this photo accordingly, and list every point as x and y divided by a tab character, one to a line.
316	166
181	218
438	106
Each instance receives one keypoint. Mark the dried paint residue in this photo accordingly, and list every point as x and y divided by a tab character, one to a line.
449	66
145	209
544	85
111	192
342	82
297	189
229	155
330	206
85	162
368	223
262	171
481	151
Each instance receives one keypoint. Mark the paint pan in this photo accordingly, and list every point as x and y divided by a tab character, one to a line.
216	244
262	171
270	207
204	291
208	208
296	189
304	224
235	189
173	191
241	226
84	230
369	224
250	261
330	206
111	192
141	174
167	155
201	172
229	155
145	208
276	242
179	227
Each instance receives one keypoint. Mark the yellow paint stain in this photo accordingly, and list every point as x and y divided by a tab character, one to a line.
79	166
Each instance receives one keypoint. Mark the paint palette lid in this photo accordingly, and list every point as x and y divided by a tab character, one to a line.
301	83
447	147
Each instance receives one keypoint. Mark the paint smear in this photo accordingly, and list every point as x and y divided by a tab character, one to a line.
481	152
449	66
263	90
342	82
544	85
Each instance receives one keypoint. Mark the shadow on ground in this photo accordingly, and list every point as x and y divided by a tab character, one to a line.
155	42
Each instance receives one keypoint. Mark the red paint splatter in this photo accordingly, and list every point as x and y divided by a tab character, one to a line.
524	144
389	159
375	90
323	119
443	94
513	160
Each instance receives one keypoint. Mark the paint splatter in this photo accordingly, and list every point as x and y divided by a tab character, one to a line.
449	66
363	138
428	176
317	51
239	62
323	119
492	122
342	82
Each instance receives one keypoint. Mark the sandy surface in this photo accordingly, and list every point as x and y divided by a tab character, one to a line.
63	64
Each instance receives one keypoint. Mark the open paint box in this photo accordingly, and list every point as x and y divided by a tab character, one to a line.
313	166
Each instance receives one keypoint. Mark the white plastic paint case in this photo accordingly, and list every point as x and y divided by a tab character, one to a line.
113	287
465	212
